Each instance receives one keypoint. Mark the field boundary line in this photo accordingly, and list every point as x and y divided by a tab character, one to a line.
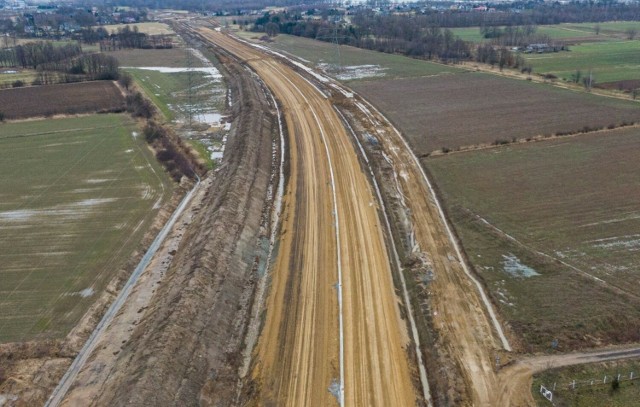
523	141
57	396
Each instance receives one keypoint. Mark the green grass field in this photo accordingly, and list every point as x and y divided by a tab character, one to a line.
76	197
27	76
151	28
609	61
166	83
522	210
585	394
176	57
319	52
613	30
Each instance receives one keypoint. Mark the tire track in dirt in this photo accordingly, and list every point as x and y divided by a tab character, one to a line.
298	350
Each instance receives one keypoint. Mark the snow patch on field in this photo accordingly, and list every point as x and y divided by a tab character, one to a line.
512	265
628	242
208	71
70	210
352	72
87	292
98	180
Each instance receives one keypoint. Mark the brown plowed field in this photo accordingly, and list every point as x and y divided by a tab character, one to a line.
472	108
298	353
68	98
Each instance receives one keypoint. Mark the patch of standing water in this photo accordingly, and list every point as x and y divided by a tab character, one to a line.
512	265
208	71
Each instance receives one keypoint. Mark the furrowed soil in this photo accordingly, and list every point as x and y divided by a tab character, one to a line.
186	347
68	98
470	108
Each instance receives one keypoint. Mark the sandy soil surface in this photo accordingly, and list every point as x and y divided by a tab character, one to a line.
299	350
459	313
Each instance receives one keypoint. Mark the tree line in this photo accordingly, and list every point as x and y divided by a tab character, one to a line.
534	13
65	63
35	54
395	34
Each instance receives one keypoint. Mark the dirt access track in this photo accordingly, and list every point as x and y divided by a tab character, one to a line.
332	316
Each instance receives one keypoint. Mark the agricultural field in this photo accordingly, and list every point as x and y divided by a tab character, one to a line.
590	387
151	28
552	230
173	57
165	78
608	61
8	76
449	111
567	32
357	64
70	98
75	200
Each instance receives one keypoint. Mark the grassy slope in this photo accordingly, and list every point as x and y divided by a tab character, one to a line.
573	199
76	197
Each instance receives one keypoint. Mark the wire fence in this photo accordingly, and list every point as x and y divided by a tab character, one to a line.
606	380
600	381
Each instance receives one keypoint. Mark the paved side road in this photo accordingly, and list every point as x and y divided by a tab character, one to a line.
61	390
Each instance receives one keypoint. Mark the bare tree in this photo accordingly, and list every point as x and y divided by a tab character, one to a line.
631	33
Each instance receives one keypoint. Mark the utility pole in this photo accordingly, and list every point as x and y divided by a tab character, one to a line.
335	40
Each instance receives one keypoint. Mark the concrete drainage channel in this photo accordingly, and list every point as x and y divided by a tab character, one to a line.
60	391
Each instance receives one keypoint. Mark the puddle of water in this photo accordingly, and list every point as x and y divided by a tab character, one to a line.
512	265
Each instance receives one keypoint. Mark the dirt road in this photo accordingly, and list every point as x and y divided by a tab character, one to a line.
331	231
467	326
516	380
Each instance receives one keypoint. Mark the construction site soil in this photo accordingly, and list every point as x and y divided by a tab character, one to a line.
369	300
185	347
